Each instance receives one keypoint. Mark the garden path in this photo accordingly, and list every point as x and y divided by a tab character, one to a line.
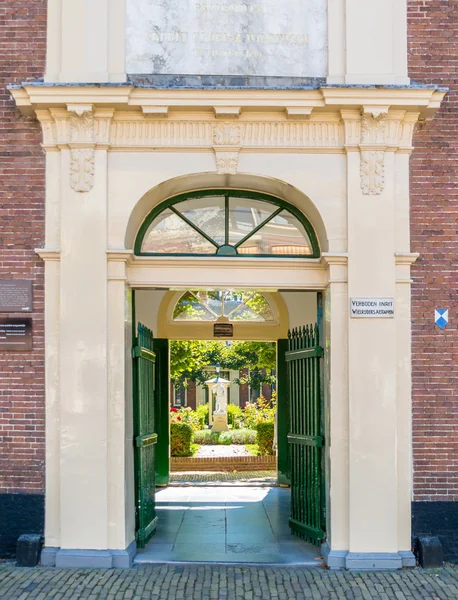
219	451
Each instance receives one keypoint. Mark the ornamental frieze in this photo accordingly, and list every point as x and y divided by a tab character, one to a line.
371	132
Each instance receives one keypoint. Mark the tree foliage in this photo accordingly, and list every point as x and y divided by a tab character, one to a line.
190	359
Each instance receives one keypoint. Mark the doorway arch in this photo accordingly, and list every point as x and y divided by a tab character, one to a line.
198	182
226	222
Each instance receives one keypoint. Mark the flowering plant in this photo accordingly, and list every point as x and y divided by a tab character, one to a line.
175	417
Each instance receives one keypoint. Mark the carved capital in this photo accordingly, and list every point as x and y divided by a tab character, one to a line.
227	162
227	134
81	125
372	172
82	168
373	128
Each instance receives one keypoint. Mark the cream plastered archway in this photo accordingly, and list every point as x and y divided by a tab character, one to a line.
110	160
180	273
203	330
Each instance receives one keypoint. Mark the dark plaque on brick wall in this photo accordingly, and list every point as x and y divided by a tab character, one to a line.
16	295
223	330
15	335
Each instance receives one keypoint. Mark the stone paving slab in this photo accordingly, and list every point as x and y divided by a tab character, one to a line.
224	583
226	525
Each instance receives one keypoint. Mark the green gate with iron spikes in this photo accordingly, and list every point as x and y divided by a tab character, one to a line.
145	436
305	438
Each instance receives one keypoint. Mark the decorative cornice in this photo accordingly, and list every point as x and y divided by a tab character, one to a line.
329	120
427	99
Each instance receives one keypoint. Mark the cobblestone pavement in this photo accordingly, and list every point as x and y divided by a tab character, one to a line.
224	583
217	477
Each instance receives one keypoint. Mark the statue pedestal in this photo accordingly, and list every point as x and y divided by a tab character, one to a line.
220	422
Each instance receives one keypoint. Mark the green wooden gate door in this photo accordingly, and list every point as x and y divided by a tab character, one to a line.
145	436
305	439
162	410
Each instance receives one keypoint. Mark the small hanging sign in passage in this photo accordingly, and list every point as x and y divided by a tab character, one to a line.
371	308
16	295
223	330
15	335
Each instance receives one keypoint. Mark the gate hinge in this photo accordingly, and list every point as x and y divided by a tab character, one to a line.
136	351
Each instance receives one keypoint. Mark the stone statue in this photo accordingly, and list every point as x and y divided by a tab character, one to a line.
221	398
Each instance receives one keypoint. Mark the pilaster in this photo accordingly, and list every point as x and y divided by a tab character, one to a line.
336	405
121	508
83	334
52	382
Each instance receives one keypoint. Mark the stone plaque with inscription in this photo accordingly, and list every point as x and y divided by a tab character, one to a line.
15	335
227	37
16	295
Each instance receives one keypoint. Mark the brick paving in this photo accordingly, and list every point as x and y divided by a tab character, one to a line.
224	583
217	477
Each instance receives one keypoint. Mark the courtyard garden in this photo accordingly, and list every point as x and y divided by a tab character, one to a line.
251	430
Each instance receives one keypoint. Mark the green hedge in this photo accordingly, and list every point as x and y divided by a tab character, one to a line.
206	437
265	438
237	436
181	439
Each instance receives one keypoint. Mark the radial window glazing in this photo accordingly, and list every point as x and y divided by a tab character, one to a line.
227	223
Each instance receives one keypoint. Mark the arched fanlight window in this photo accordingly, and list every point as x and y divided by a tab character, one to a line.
225	306
226	223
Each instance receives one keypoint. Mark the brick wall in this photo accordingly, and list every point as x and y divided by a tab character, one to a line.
191	395
433	58
22	191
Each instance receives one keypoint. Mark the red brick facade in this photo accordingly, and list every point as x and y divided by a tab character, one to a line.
22	175
433	58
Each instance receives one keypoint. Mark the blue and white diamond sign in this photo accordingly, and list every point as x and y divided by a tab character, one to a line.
441	317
